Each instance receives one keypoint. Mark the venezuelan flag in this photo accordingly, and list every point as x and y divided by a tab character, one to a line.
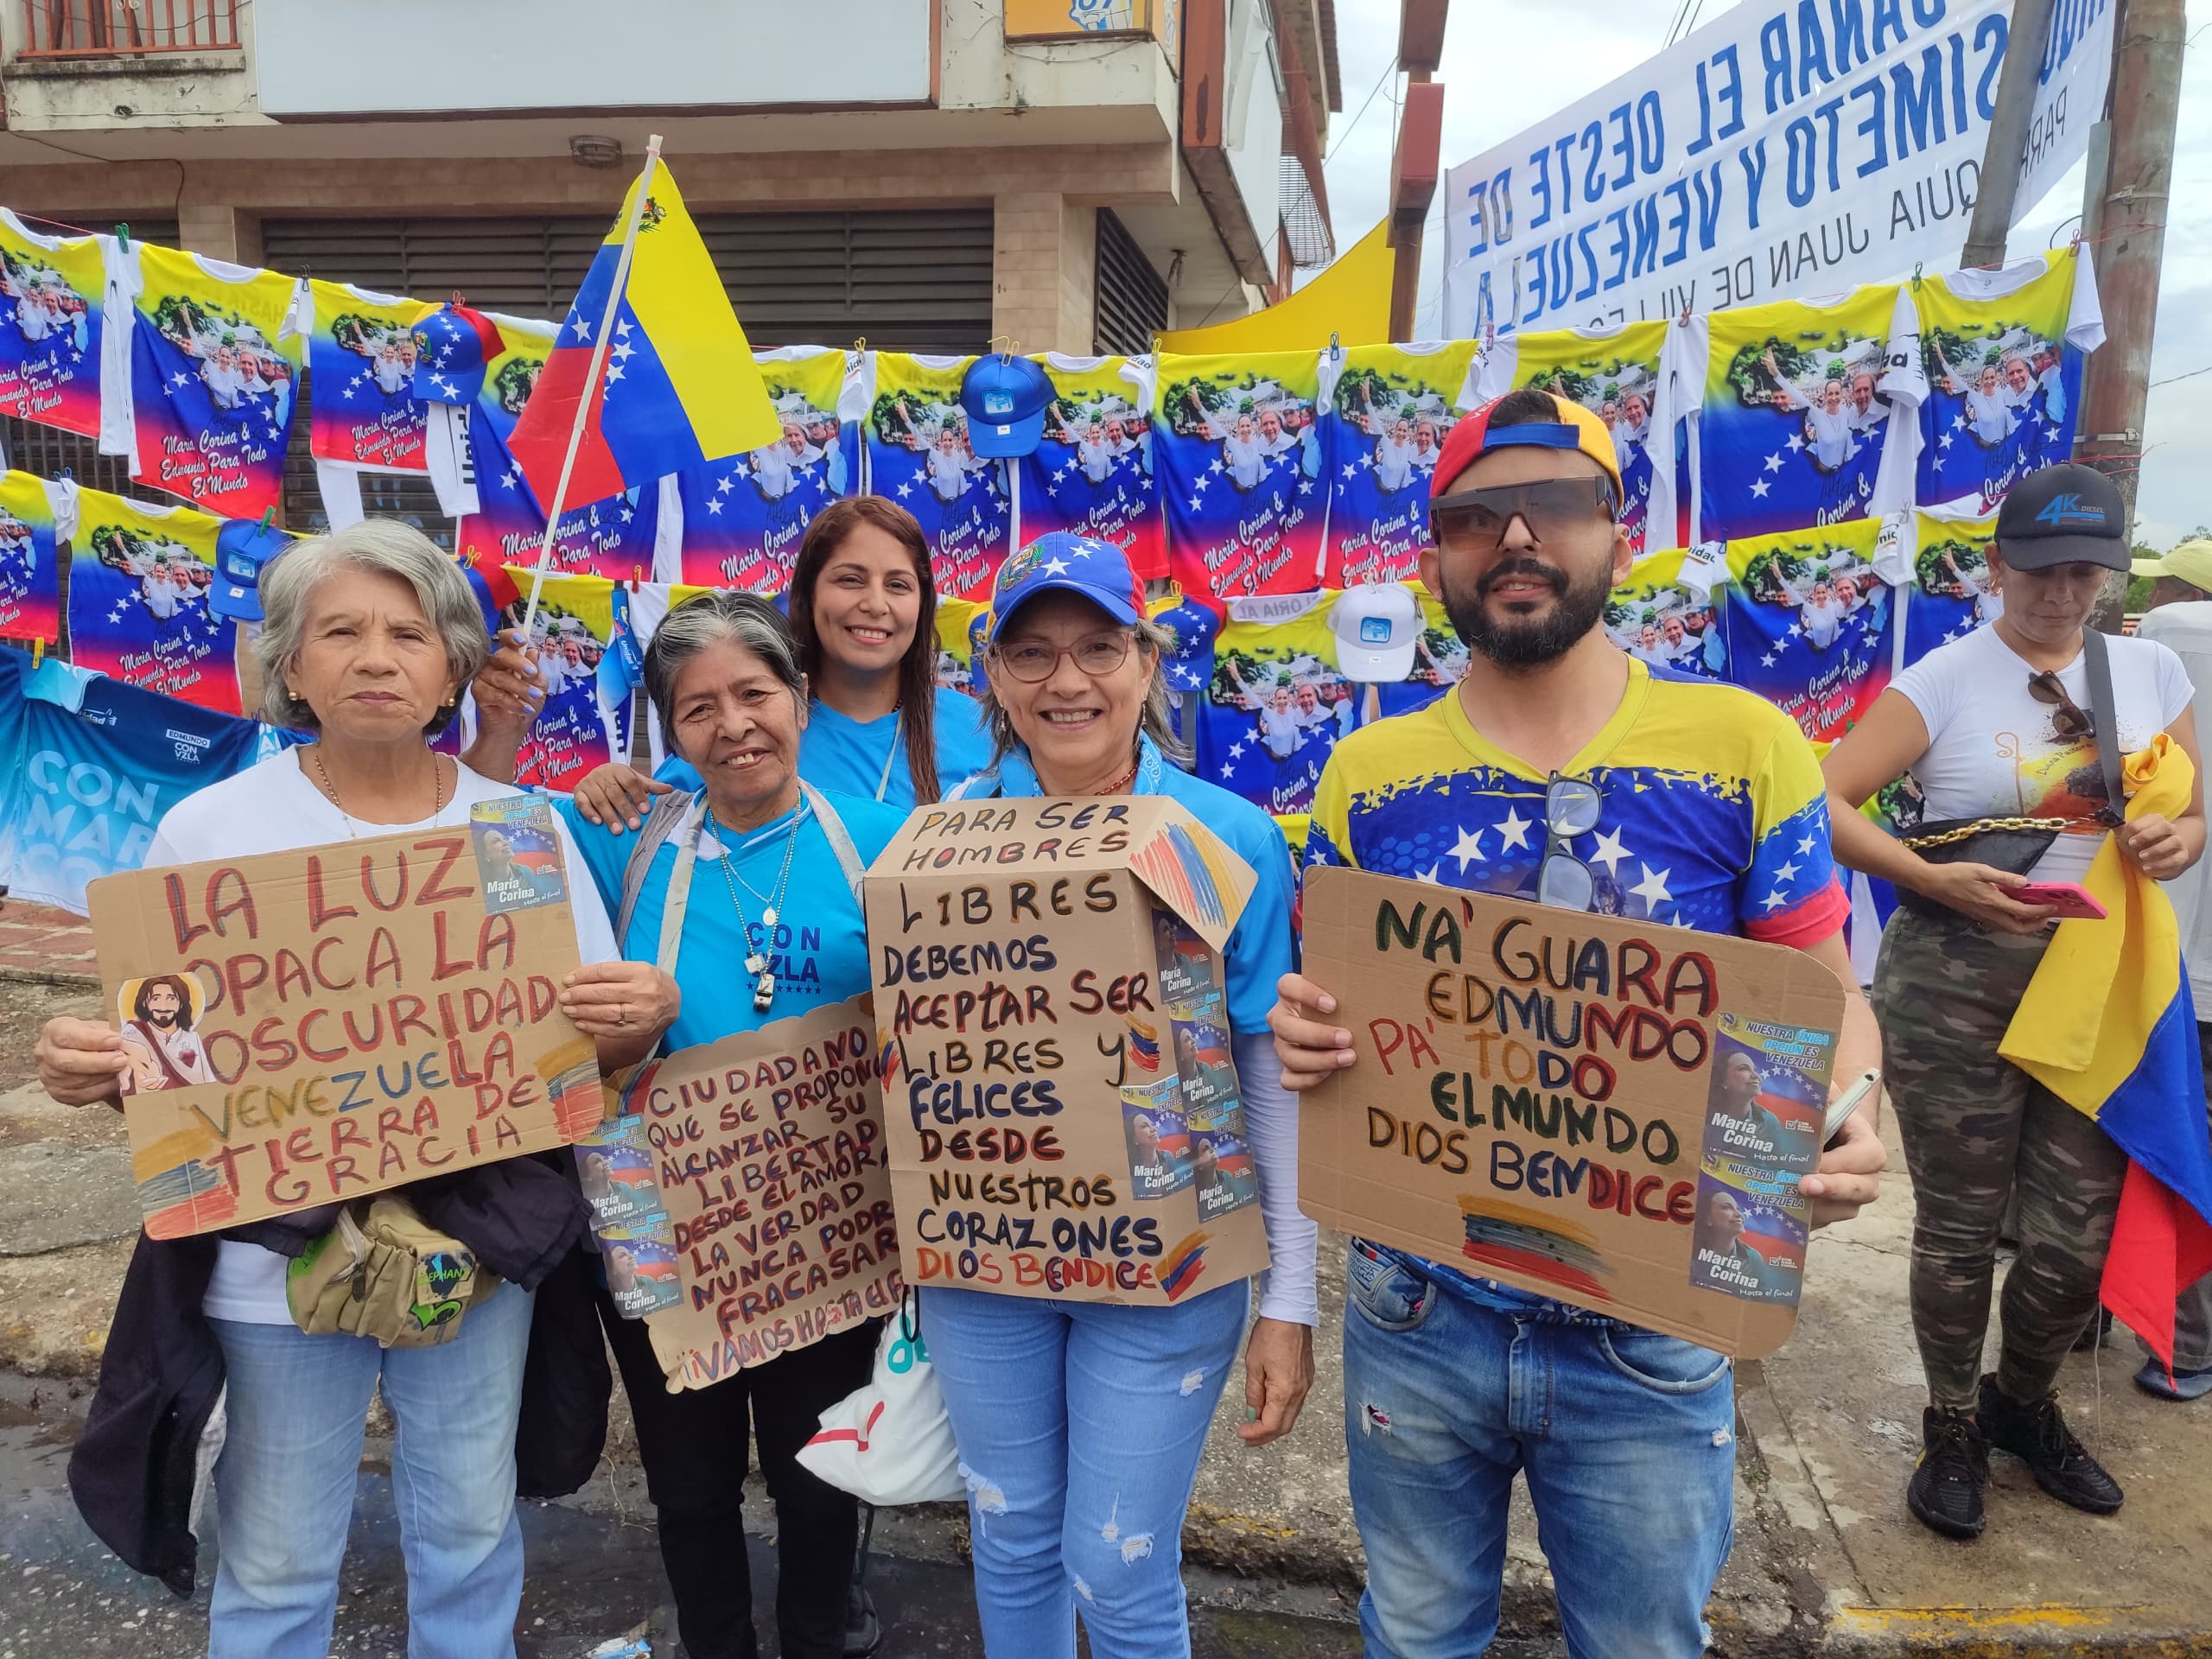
2108	1025
677	387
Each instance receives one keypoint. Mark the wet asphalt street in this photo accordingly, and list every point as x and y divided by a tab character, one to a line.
592	1577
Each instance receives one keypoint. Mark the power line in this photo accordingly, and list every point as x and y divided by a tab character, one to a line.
2191	375
1389	69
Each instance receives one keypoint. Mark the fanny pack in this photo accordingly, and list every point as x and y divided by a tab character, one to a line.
384	1273
2014	845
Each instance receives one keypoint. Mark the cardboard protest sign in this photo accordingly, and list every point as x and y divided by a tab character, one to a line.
338	1020
767	1150
1593	1110
1063	1113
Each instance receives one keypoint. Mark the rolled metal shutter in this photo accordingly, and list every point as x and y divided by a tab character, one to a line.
914	282
1132	299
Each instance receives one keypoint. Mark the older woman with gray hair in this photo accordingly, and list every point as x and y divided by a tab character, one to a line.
370	635
749	893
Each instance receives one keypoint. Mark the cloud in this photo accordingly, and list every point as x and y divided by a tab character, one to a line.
1510	63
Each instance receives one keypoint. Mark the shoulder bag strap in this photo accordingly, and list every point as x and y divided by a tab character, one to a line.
841	839
2098	652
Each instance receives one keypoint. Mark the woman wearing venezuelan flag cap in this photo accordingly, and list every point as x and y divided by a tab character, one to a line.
1080	1423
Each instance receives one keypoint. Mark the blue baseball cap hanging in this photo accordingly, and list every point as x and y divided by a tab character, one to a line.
1004	397
244	549
453	347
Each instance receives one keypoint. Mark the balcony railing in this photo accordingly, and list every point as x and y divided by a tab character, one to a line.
112	28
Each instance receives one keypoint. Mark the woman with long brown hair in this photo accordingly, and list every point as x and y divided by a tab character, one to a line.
863	610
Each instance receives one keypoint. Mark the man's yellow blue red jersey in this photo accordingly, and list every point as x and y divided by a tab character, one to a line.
1713	815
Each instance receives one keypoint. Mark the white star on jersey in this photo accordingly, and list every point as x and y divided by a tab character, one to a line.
1513	829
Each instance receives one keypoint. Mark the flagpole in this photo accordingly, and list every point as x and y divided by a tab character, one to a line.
591	383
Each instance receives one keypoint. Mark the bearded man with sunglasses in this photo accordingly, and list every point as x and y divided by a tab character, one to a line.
1562	771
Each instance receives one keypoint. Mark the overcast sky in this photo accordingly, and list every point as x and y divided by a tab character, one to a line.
1509	63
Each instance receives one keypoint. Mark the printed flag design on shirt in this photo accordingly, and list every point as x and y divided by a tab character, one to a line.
1714	813
34	520
1238	446
52	289
1091	474
1619	376
2003	377
576	730
1811	625
678	387
215	380
1382	427
362	406
1955	591
138	610
744	517
1793	415
919	455
1665	621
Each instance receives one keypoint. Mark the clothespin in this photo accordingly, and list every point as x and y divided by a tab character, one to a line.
860	344
1336	347
268	517
1916	273
122	236
38	652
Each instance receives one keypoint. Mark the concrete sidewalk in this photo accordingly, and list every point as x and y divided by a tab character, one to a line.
1825	1562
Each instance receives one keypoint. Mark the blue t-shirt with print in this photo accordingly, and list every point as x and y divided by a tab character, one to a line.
844	756
818	951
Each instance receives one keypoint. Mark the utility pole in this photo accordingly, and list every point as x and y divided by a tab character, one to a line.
1414	168
2132	227
2004	151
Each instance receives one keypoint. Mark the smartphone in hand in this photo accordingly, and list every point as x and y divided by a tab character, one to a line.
2070	898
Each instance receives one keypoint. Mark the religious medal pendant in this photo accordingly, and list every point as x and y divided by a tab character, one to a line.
768	919
764	994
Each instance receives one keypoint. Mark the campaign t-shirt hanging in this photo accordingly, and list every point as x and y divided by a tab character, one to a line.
744	517
35	517
91	783
51	291
1794	405
1385	412
2001	354
1661	618
578	728
215	359
1954	590
1238	450
1091	472
1275	705
363	415
138	610
918	456
1809	624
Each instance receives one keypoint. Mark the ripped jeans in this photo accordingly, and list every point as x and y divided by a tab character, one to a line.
1626	1438
1079	1426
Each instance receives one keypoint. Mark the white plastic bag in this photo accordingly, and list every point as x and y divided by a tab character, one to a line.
891	1442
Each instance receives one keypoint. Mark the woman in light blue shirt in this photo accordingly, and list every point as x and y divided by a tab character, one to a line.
863	611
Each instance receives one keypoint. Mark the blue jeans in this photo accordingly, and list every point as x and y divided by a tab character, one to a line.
297	1407
1079	1426
1626	1437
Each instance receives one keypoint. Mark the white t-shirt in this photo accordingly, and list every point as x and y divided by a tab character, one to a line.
274	807
2186	630
1992	749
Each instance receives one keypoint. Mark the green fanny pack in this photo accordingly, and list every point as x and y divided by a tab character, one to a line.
384	1273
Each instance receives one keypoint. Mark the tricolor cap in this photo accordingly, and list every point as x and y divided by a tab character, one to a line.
1066	563
2067	514
453	346
1376	628
2190	562
1191	628
1004	397
243	548
1575	429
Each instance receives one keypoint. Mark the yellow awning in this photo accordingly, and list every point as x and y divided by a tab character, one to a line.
1351	300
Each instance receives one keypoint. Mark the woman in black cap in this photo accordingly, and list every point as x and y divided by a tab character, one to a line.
2000	731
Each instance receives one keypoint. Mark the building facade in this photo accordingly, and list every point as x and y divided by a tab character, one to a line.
924	175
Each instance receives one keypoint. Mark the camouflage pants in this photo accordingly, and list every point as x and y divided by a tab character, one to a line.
1972	1126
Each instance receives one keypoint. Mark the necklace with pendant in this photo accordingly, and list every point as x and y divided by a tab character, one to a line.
756	962
437	789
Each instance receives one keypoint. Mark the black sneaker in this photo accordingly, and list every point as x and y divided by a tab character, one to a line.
1945	1492
863	1631
2037	1435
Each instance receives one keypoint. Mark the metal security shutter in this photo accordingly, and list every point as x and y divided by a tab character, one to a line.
908	282
1131	297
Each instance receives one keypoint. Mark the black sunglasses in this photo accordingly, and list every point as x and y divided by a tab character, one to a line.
2067	718
1477	520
